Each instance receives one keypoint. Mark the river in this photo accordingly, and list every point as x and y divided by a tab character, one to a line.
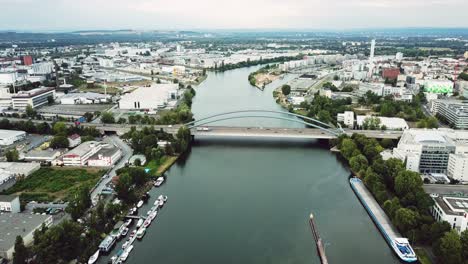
248	201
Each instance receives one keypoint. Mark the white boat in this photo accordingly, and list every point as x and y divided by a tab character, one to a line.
403	249
128	222
124	255
93	258
140	204
140	222
133	233
165	198
157	203
153	215
124	232
141	232
126	244
146	223
159	181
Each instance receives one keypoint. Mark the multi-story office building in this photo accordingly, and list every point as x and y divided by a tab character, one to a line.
428	151
347	118
453	210
35	97
455	112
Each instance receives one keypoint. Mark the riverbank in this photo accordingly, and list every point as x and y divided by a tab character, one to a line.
265	76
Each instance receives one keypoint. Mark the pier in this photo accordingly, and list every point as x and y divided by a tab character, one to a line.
377	214
318	240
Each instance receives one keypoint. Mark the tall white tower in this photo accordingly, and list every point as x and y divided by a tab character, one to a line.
372	49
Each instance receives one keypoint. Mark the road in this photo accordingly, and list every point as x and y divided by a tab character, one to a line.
127	152
446	189
304	133
235	131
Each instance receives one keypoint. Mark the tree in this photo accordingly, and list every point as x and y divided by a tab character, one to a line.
137	162
59	141
391	206
60	128
449	248
30	111
406	219
358	162
336	78
12	155
464	242
407	182
347	148
286	89
183	138
88	116
107	118
50	100
21	252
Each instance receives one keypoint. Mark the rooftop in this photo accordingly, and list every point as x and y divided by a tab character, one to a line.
7	198
83	148
4	133
105	152
452	205
13	225
33	92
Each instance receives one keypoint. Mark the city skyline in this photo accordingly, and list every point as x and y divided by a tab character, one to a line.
209	14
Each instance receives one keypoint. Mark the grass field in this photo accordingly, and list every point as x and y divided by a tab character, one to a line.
52	184
159	167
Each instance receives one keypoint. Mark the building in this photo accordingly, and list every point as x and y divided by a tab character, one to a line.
428	151
42	68
35	97
455	112
27	60
42	156
453	210
390	123
5	97
105	157
8	137
19	168
399	56
155	97
377	88
10	204
74	140
84	98
372	50
346	118
458	167
79	156
20	224
438	86
390	73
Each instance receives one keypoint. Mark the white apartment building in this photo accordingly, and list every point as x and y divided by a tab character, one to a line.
105	157
347	118
10	204
42	68
5	97
35	97
79	156
453	210
458	167
428	150
74	140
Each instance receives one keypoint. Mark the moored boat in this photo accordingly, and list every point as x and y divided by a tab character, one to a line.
93	258
140	222
159	181
140	204
141	232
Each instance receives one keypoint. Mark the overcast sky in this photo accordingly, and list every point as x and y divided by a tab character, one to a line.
230	14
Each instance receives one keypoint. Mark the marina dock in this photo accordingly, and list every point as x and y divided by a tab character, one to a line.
318	240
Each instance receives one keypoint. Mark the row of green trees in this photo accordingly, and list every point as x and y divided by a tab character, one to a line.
225	67
326	109
401	195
